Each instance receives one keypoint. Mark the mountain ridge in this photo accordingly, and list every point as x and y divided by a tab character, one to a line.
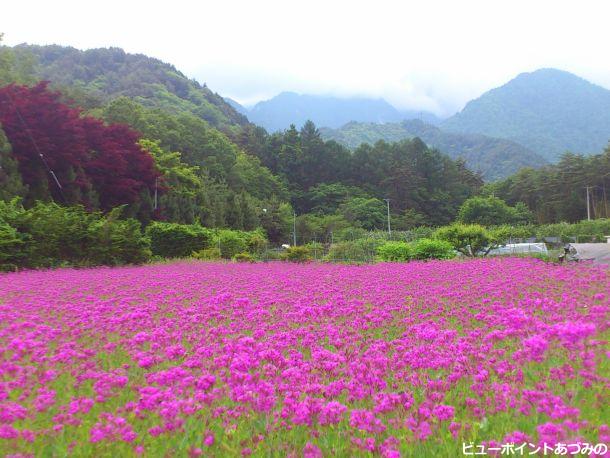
288	107
108	73
549	111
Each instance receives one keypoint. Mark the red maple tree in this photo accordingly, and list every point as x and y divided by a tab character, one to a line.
98	165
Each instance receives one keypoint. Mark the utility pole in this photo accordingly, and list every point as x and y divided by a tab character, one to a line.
588	206
294	229
387	201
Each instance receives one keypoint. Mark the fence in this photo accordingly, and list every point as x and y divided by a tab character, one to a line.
364	249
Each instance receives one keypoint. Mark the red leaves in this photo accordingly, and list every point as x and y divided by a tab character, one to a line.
84	153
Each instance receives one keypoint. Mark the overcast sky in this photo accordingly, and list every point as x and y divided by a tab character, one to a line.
428	54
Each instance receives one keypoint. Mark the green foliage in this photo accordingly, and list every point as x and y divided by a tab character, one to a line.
11	247
311	227
490	211
277	220
422	249
596	228
115	241
395	251
107	73
207	254
15	67
257	243
548	111
368	213
180	186
172	240
11	184
494	157
325	198
296	254
230	242
359	250
48	235
468	239
557	192
244	257
249	175
433	249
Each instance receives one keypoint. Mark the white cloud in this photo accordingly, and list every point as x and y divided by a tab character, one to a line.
432	55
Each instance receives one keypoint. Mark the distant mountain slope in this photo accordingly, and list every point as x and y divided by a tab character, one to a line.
494	158
288	108
549	111
109	73
236	106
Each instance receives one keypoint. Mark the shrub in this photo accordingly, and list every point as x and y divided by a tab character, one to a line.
433	249
296	254
316	249
256	242
49	235
395	251
115	241
244	257
207	254
12	247
172	240
230	242
361	250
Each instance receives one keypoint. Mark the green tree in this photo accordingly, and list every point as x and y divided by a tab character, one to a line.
491	211
10	178
180	189
469	239
366	213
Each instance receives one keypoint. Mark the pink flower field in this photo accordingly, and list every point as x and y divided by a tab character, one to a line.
277	359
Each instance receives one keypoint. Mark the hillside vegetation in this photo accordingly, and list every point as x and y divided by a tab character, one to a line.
494	158
548	111
97	76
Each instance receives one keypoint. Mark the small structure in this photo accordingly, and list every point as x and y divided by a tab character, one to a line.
519	248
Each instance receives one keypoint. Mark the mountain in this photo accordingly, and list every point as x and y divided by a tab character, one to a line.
107	73
288	108
494	158
549	111
237	106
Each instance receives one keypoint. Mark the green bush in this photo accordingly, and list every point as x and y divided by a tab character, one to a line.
395	251
12	247
207	254
256	242
296	254
230	242
244	257
49	235
172	240
115	241
316	249
432	249
360	250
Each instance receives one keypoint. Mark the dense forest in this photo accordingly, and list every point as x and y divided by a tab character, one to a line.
558	192
494	158
106	130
